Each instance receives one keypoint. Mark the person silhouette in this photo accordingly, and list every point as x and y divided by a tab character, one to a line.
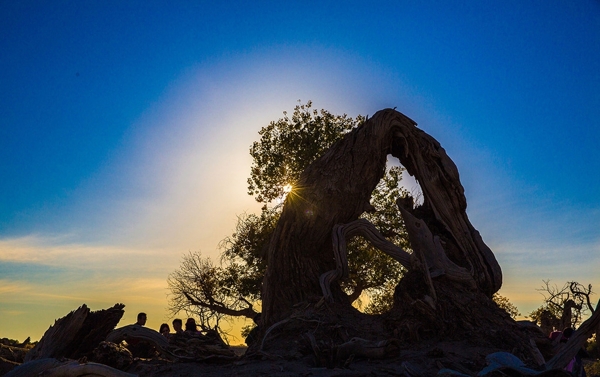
141	319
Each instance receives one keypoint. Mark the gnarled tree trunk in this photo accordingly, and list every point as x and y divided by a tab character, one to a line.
336	189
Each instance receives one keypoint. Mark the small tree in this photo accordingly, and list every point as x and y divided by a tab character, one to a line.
563	306
208	292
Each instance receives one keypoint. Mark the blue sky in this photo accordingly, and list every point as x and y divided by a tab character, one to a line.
125	128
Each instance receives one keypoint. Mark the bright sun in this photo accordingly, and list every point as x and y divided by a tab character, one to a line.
286	190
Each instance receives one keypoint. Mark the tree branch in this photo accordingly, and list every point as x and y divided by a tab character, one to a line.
574	286
248	312
358	290
341	234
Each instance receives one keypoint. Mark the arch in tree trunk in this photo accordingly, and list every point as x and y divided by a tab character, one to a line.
336	189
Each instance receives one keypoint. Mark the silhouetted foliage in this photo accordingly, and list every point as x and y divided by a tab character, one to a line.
287	146
504	303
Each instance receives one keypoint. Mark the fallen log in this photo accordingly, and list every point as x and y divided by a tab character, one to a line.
51	367
136	333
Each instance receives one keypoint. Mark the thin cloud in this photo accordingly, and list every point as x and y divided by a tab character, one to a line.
13	287
12	313
45	251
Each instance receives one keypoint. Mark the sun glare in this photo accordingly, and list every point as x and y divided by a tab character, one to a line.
286	190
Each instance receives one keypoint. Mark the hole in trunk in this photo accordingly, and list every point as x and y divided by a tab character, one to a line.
373	274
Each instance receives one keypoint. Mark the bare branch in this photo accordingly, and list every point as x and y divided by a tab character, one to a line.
221	308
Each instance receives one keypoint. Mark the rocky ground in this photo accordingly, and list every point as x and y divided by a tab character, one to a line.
463	357
421	361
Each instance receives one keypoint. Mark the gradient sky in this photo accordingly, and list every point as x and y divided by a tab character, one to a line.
125	129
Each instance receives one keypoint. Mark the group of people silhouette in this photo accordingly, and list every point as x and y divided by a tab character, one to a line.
190	326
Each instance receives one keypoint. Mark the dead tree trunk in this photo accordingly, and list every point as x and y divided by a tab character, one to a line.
336	189
76	334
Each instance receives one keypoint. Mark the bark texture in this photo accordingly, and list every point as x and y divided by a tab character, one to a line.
336	189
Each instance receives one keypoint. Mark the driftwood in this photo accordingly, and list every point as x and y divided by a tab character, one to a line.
76	334
138	333
52	367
